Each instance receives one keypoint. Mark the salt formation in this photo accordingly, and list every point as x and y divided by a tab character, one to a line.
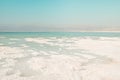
50	58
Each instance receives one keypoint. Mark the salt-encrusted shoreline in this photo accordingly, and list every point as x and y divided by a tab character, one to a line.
99	59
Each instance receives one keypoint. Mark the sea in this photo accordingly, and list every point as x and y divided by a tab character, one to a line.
59	55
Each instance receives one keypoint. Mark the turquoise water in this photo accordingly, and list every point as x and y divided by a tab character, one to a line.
6	37
56	41
60	34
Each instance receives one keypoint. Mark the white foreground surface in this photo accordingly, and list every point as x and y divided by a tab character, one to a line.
99	59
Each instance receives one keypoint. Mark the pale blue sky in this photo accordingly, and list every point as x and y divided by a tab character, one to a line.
59	15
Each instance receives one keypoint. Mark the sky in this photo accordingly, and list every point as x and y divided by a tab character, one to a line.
59	15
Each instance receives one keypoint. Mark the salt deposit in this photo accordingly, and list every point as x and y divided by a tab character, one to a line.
74	58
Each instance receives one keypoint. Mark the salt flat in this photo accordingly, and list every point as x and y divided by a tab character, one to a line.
62	58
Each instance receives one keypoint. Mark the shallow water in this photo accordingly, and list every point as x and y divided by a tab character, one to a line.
60	56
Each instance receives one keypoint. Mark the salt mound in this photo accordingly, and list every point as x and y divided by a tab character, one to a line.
9	52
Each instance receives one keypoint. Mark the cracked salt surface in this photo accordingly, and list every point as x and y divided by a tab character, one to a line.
62	58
